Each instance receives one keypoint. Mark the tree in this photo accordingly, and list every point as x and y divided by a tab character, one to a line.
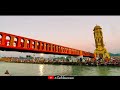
29	57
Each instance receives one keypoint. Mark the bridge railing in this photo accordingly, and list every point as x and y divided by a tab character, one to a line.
18	43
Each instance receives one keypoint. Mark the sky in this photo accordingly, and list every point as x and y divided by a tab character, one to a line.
71	31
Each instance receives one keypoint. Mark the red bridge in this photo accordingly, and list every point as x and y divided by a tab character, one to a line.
10	42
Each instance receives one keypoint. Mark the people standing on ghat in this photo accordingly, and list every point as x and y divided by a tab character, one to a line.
80	59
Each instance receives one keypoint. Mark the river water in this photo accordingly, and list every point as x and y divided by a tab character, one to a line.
25	69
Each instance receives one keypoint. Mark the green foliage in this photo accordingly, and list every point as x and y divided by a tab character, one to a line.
29	57
117	54
21	57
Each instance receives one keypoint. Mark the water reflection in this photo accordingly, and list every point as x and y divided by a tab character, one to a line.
90	71
45	70
23	69
41	67
103	71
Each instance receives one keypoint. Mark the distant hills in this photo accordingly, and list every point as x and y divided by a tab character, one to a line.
112	54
